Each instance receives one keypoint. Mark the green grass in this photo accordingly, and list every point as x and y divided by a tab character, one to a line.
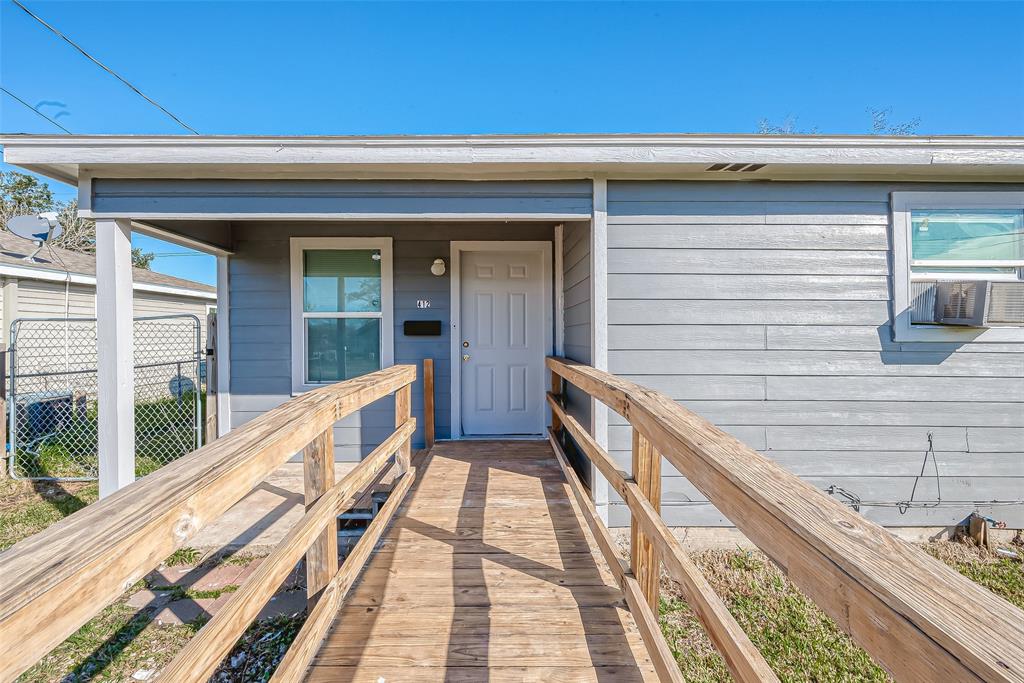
182	593
111	647
26	508
183	557
1001	575
798	640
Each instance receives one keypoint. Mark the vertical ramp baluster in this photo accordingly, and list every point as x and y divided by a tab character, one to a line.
403	411
318	473
556	391
644	557
428	403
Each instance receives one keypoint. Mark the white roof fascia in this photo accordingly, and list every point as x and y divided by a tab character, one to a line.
624	153
48	275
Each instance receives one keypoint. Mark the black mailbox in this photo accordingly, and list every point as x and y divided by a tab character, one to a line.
422	328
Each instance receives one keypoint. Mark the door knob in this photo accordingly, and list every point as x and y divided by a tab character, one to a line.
465	357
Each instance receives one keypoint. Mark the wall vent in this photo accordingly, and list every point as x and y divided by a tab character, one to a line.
735	168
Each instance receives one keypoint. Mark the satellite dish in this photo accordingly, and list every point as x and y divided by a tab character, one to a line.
35	228
39	228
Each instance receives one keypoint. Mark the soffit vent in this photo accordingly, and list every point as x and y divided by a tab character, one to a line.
735	168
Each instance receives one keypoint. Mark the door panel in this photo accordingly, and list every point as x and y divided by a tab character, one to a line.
502	368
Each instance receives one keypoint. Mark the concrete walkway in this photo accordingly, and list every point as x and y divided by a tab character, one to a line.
258	522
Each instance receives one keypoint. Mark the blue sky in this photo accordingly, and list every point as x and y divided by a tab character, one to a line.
396	68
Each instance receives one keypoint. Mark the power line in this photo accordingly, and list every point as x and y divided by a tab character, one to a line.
35	110
104	67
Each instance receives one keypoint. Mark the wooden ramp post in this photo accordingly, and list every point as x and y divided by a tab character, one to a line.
428	403
645	560
318	473
403	411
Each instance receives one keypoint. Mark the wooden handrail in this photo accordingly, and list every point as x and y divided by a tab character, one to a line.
918	618
744	660
55	581
307	642
201	655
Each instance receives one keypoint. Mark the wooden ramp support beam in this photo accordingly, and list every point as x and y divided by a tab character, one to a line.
918	618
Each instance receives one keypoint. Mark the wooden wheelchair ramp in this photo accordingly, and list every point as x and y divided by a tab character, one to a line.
487	573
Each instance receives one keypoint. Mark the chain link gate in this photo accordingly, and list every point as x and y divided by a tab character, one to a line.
53	406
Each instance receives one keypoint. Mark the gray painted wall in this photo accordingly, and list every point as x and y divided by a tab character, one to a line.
261	317
133	196
576	287
765	307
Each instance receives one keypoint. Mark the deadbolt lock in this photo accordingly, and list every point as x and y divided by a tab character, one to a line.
465	344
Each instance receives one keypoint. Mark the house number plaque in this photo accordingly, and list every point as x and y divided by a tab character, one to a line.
423	303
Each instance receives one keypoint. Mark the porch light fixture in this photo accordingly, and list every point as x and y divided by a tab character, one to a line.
437	267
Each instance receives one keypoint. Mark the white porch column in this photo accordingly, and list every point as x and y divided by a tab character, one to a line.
223	358
114	335
599	330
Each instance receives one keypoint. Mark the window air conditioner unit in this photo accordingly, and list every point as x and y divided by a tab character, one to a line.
977	303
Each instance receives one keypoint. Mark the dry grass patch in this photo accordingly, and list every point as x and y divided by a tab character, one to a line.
797	639
119	644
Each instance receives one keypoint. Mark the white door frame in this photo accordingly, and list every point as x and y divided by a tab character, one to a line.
457	247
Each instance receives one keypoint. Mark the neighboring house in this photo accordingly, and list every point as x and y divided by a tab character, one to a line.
781	286
60	283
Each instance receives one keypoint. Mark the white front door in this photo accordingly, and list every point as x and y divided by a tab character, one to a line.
502	344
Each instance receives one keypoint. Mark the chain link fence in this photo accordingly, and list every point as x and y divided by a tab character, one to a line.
53	402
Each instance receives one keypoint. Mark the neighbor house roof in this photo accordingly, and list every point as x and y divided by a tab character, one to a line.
55	263
69	157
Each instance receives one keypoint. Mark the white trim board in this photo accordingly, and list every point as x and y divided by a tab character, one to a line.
48	275
387	309
902	203
455	261
496	156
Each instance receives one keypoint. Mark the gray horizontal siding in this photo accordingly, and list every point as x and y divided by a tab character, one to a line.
765	307
576	285
409	197
261	317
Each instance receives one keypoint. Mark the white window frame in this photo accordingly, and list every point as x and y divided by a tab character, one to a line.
298	315
902	204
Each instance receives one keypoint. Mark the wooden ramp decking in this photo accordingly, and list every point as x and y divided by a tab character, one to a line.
488	573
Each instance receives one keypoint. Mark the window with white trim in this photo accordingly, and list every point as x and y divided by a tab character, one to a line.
341	309
972	239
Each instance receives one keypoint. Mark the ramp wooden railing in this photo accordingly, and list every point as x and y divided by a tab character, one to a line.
55	581
919	619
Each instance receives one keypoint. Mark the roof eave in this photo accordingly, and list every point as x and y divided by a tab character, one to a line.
66	157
